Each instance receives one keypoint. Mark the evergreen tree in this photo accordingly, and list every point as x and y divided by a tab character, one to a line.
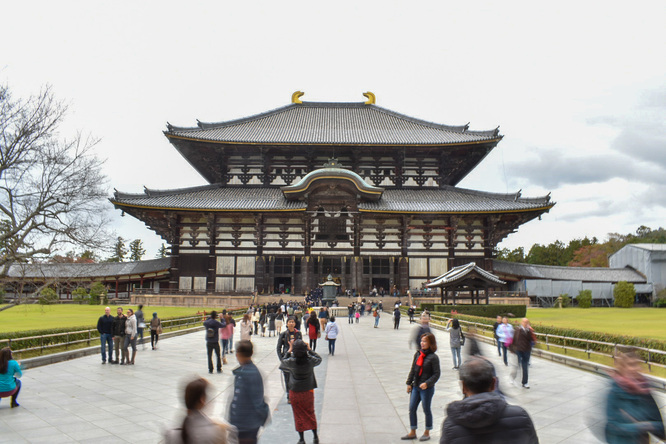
119	251
162	252
136	250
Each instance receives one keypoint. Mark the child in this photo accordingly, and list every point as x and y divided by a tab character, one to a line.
357	316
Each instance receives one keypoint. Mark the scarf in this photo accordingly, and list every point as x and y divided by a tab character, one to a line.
419	361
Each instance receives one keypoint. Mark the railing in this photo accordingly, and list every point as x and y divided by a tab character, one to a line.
68	339
567	343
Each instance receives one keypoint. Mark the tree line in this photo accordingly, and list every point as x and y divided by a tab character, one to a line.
586	252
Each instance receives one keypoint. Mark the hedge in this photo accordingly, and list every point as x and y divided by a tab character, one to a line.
591	335
489	311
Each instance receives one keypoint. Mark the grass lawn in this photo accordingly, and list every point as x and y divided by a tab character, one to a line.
638	322
35	316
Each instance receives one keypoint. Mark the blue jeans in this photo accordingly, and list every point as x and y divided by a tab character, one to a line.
331	346
418	395
105	338
524	362
499	346
225	346
504	348
377	321
457	360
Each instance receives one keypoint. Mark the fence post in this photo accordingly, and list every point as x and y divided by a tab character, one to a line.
41	345
90	335
587	345
547	343
649	360
564	342
67	342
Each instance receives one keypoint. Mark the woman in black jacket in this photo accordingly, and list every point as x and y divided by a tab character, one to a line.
421	384
300	363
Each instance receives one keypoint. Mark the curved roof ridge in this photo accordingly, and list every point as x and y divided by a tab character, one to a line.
361	105
157	192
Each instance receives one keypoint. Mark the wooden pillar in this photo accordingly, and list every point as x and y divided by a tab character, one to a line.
212	259
116	288
260	274
487	298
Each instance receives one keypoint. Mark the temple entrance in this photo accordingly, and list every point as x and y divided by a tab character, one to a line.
381	283
282	285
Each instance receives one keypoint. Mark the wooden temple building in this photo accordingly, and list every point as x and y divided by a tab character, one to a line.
354	190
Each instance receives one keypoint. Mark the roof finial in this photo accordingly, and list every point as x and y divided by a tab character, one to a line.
296	97
371	98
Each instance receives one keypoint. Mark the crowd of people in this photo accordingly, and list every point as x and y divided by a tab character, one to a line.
482	415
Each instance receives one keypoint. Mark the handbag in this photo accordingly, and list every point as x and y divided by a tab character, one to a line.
159	329
318	334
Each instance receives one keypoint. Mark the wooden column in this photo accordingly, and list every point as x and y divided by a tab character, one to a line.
212	259
260	274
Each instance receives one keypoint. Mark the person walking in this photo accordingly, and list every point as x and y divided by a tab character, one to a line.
10	372
424	328
410	312
140	325
246	328
631	411
505	335
256	316
118	334
130	337
197	427
323	317
350	313
332	332
357	315
263	322
212	327
523	341
313	330
283	343
300	362
279	319
155	330
247	411
421	380
375	313
457	340
105	329
271	323
225	334
496	325
396	318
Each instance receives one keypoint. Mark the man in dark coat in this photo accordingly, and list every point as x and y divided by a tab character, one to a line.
105	329
213	326
523	341
286	338
483	415
118	333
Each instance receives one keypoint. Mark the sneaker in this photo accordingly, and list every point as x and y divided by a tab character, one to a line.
526	386
103	362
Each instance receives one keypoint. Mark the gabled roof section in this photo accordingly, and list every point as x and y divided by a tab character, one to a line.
332	172
458	275
332	123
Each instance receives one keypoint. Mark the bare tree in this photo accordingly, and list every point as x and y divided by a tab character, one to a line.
52	190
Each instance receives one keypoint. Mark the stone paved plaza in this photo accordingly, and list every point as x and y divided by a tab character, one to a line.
361	396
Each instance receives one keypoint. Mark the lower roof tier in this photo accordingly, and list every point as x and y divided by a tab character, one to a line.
445	200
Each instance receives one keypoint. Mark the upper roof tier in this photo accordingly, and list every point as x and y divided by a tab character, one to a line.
315	123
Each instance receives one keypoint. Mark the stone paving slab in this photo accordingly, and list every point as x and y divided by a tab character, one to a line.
361	396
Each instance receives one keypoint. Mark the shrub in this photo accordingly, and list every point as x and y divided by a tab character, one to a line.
486	311
566	300
584	299
2	295
97	294
624	294
660	303
48	296
80	295
428	306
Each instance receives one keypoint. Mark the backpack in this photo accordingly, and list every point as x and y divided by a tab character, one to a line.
210	333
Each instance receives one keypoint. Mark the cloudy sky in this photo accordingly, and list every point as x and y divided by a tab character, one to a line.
578	89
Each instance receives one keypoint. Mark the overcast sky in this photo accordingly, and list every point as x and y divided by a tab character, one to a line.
578	89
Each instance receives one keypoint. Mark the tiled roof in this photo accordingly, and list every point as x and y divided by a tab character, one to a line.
649	247
104	269
445	200
332	123
585	274
459	273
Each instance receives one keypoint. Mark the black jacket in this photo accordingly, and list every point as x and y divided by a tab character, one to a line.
487	418
105	325
283	342
302	377
214	326
430	373
119	325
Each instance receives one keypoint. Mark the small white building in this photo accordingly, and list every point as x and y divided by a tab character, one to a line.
647	259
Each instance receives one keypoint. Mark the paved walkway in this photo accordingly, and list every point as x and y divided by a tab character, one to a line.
361	396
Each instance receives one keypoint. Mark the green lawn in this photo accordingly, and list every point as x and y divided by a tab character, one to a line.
35	317
639	322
